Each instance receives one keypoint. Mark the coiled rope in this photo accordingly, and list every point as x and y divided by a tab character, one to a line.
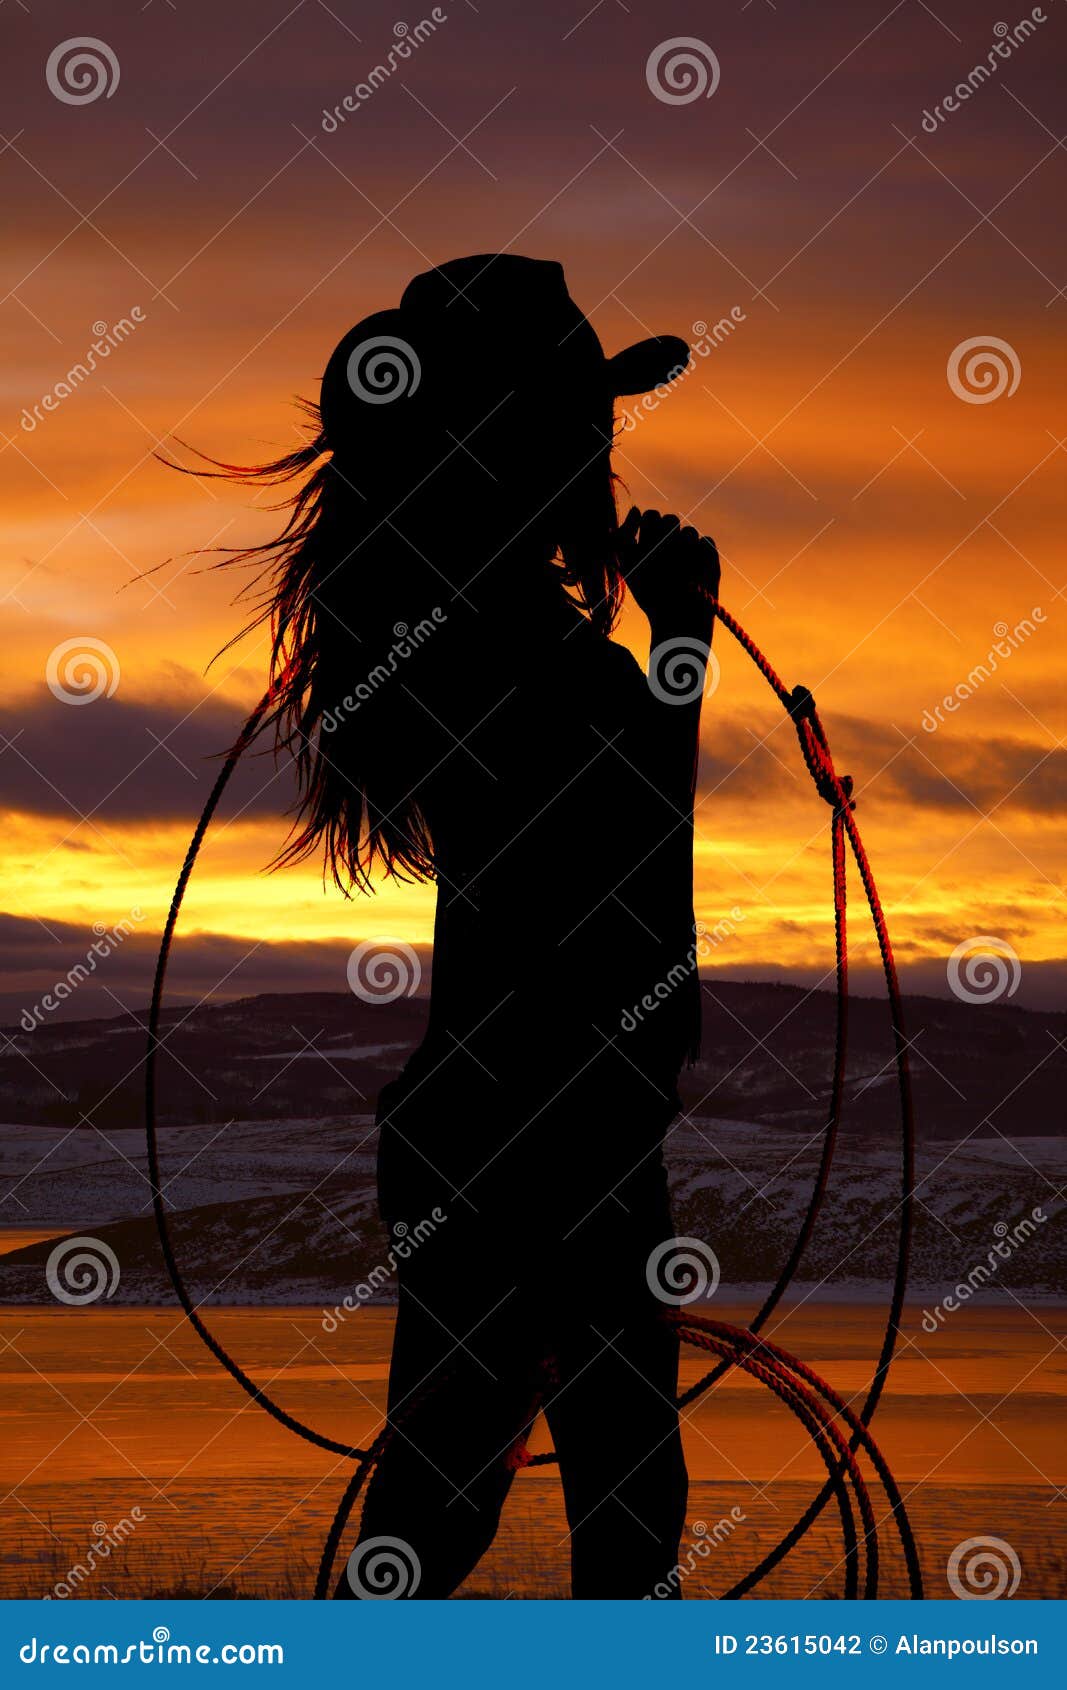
809	1397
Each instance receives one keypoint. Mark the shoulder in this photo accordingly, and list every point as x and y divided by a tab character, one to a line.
609	690
604	661
620	678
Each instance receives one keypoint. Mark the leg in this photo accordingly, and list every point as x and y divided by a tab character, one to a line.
613	1415
457	1411
625	1487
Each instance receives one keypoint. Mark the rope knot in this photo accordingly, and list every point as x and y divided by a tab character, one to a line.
801	705
834	788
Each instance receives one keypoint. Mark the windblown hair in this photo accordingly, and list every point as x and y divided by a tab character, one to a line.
331	586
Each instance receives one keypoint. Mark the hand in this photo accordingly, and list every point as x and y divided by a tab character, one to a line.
672	572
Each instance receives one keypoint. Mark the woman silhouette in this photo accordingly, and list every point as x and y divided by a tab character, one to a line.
441	600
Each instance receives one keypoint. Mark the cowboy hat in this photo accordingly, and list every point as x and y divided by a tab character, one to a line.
476	321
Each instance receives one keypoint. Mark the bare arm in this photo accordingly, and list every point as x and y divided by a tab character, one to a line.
673	574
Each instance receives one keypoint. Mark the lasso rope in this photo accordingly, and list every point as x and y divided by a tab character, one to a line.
813	1401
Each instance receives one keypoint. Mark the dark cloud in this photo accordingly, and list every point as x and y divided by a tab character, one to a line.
36	957
132	760
941	771
33	959
135	760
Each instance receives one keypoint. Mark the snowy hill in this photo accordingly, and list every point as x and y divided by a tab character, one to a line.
268	1145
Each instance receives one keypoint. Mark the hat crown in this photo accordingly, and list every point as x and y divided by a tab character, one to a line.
489	281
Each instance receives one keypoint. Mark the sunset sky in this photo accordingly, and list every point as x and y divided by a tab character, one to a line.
879	529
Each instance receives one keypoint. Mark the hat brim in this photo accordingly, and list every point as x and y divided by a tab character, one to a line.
647	364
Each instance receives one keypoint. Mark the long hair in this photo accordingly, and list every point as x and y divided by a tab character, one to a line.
332	583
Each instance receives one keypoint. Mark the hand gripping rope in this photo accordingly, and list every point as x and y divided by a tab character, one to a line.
838	1432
